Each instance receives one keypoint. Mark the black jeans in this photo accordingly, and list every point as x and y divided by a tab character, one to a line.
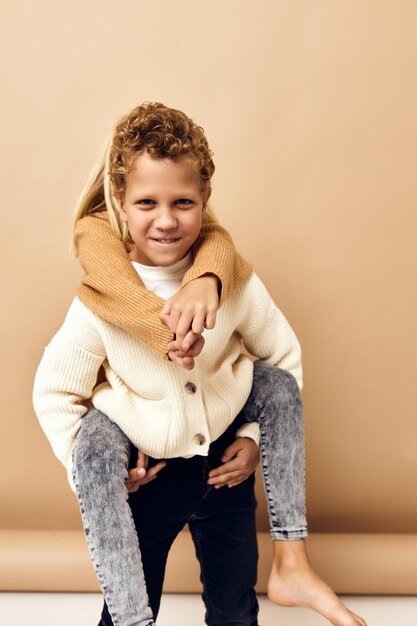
222	525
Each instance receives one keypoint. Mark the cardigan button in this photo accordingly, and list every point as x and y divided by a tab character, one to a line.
199	439
190	387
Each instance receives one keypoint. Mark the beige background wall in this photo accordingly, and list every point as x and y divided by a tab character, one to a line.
310	109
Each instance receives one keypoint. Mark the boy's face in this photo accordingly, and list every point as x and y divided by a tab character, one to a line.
163	207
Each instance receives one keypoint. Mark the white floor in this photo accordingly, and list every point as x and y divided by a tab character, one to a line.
68	609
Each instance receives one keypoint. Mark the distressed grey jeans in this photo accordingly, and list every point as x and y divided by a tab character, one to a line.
100	468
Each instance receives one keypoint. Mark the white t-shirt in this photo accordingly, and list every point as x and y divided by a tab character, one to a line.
164	281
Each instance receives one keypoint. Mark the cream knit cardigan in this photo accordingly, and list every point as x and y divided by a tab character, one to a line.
164	410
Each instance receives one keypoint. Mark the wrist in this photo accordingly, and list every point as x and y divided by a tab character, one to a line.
214	279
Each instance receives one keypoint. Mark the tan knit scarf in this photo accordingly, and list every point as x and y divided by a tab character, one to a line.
112	289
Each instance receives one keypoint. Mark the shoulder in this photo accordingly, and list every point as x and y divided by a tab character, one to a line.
92	222
81	327
253	305
89	231
78	312
253	288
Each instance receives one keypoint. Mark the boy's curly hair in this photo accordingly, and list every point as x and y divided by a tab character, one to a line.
163	132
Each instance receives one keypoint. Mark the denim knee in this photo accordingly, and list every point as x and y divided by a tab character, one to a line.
100	452
267	379
272	388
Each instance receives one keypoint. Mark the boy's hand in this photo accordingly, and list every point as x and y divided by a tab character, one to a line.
240	460
139	475
193	308
186	359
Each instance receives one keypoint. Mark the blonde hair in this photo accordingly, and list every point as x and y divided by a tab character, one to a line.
161	131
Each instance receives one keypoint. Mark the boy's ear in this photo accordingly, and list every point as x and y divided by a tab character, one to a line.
121	208
206	198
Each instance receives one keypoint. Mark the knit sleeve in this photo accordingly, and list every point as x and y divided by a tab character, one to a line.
64	382
266	332
112	289
215	253
251	430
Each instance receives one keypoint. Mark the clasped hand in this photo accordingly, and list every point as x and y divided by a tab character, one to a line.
239	461
187	314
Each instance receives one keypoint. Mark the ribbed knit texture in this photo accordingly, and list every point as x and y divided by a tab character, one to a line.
112	289
163	409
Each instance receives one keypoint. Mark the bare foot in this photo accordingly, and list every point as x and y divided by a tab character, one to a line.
293	582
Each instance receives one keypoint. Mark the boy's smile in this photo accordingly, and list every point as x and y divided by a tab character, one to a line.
163	206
